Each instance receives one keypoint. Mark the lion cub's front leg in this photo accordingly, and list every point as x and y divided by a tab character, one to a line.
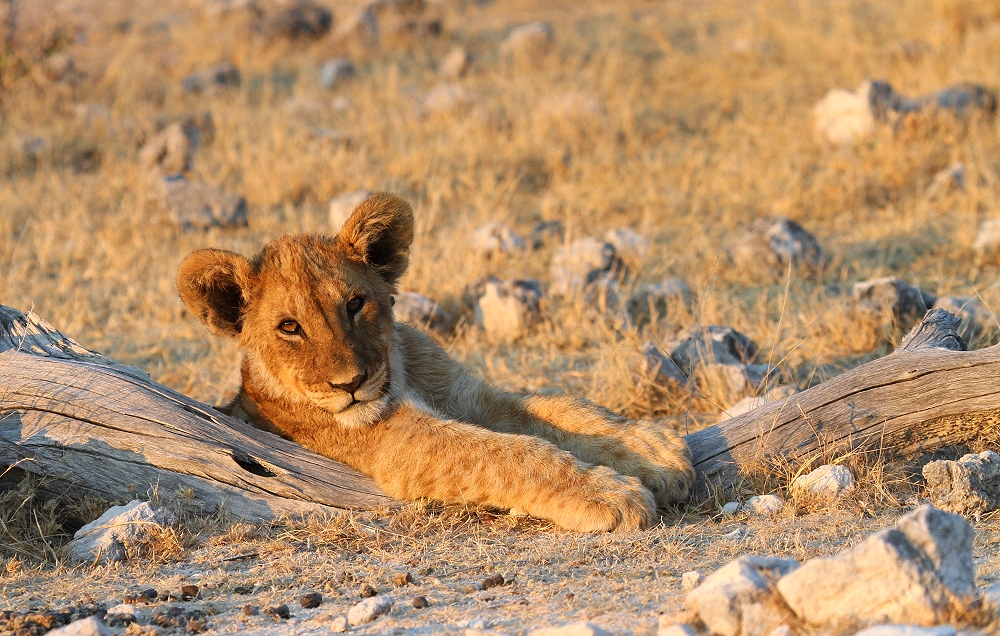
412	454
657	456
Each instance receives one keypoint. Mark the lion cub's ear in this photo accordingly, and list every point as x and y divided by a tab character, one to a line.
212	283
379	232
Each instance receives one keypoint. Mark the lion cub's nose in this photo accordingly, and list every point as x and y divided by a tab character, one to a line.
353	385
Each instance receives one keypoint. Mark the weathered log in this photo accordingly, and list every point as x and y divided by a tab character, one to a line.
928	394
76	416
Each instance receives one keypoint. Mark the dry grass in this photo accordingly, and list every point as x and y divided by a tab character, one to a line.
701	125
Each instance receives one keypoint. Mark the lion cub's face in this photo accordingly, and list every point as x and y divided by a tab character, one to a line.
313	314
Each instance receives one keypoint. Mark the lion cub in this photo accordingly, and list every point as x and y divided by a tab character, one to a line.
325	365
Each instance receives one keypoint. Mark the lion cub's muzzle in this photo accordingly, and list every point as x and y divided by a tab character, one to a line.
363	388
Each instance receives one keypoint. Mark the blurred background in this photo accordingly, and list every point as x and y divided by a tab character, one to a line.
629	174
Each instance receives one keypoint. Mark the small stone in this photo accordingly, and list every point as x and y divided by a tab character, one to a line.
368	610
581	263
311	600
279	613
826	484
508	309
189	592
494	580
546	233
250	610
243	589
402	579
670	297
420	311
343	205
494	238
773	244
763	505
893	299
662	368
843	116
119	532
720	601
420	602
631	246
906	573
691	580
572	629
528	44
335	72
367	591
91	626
731	509
711	344
201	205
339	624
969	486
217	77
455	64
908	630
171	151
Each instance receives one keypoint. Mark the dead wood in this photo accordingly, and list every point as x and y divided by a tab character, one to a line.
78	417
928	394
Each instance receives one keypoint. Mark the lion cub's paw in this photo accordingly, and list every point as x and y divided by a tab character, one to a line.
608	502
664	461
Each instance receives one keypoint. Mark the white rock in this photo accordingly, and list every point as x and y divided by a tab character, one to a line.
987	242
496	238
664	370
335	72
474	623
721	599
342	205
737	535
455	64
671	297
368	610
735	380
682	629
906	573
581	262
529	43
91	626
969	486
843	116
200	205
691	580
771	244
508	308
339	624
707	345
119	531
731	508
893	298
907	630
171	150
629	244
763	505
573	629
827	483
122	609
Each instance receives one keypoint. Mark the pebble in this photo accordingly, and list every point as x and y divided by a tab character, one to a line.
91	626
402	579
369	609
367	591
420	602
280	612
250	610
495	580
731	508
339	624
311	600
763	505
189	592
827	483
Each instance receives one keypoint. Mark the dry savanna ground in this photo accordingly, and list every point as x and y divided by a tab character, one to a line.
683	121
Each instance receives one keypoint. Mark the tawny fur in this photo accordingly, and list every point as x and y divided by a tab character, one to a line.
386	399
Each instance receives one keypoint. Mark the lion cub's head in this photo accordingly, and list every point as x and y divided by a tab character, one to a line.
313	314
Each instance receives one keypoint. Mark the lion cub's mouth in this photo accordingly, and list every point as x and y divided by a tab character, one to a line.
362	407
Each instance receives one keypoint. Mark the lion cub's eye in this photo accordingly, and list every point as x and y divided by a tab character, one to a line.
355	304
290	327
